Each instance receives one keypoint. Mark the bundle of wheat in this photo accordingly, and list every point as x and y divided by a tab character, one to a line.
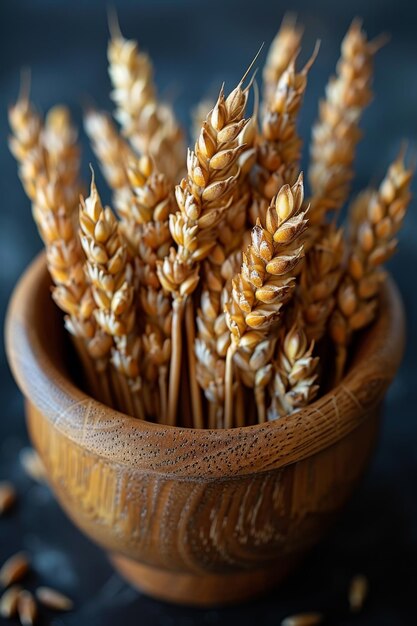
225	289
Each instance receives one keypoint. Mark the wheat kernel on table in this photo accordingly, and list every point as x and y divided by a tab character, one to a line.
8	602
14	569
7	496
358	590
303	619
27	608
53	599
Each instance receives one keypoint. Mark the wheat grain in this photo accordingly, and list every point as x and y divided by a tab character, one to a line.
53	599
32	464
14	569
8	602
7	497
149	125
264	284
303	619
373	245
27	608
358	591
336	132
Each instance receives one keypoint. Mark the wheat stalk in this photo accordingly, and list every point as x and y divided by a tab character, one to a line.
373	244
279	146
264	284
111	279
149	125
336	132
293	374
283	49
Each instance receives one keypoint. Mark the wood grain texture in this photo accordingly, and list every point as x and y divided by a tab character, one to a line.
205	508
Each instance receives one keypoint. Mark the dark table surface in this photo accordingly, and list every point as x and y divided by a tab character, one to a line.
65	45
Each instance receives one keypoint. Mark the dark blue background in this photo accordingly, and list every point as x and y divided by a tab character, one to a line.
196	45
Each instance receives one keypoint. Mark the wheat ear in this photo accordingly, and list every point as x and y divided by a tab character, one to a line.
294	375
279	146
111	278
318	282
282	50
336	132
213	339
149	125
373	244
264	284
43	151
221	265
144	209
202	198
113	152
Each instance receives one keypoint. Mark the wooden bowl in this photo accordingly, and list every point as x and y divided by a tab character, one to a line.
203	517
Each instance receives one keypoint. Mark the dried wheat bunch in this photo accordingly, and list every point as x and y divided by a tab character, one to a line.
164	300
336	133
279	146
113	152
149	125
282	51
43	150
293	378
111	279
203	197
373	244
264	284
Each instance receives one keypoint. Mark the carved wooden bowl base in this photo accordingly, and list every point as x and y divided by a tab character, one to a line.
204	591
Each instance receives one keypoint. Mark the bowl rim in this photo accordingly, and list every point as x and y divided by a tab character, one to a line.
191	453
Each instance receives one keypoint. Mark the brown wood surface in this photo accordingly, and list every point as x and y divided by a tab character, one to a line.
204	508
